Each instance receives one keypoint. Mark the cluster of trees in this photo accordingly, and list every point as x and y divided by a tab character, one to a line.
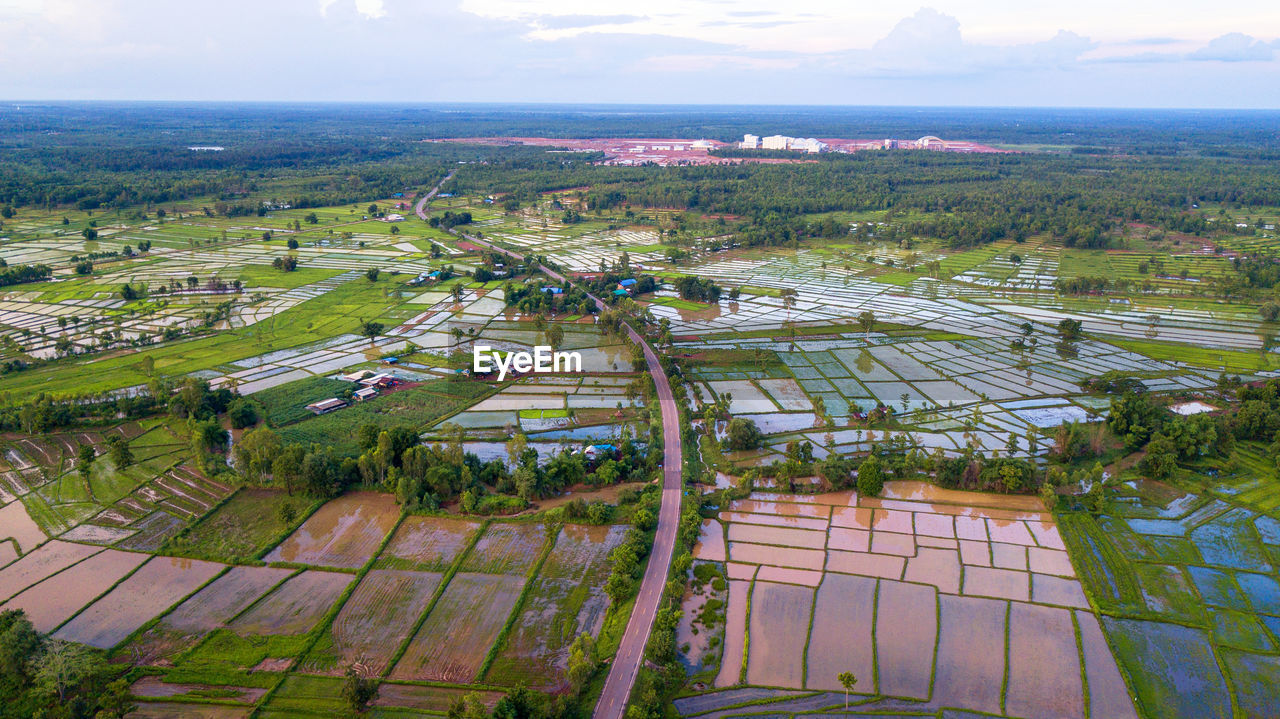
533	298
698	289
450	219
54	679
44	413
287	263
20	274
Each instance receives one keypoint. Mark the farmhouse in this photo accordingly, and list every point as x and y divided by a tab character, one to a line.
326	406
365	393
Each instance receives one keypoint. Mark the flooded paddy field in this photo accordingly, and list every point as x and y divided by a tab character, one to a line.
343	533
1189	585
935	600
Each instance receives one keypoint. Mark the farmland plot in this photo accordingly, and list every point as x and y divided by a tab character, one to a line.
427	544
566	599
34	566
295	606
54	600
928	597
452	643
374	621
506	548
343	533
156	586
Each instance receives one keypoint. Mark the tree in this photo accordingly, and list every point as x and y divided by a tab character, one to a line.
742	434
555	336
371	329
255	452
118	449
286	468
84	460
866	321
870	477
847	680
1069	329
372	273
583	661
287	513
291	243
242	414
358	691
19	643
65	665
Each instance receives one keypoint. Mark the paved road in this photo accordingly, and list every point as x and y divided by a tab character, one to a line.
626	663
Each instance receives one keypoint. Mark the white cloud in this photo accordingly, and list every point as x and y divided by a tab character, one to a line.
371	9
1234	47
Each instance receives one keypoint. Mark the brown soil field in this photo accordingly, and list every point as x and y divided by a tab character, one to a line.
735	633
16	524
343	533
762	534
506	548
52	557
970	653
779	629
906	630
57	598
377	617
294	607
841	638
427	544
777	556
1108	694
1044	664
462	626
156	586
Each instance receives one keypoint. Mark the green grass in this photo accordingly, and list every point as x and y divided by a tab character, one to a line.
240	529
287	403
1199	356
418	407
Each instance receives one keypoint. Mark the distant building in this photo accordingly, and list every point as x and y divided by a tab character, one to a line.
326	406
776	142
356	376
393	218
365	393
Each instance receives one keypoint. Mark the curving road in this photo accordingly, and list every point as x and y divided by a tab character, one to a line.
626	663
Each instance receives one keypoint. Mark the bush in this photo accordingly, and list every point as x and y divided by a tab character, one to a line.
742	434
870	477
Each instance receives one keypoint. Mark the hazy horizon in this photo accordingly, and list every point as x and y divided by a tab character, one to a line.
952	53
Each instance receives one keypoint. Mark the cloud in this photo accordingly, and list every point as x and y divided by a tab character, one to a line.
371	9
567	22
1234	47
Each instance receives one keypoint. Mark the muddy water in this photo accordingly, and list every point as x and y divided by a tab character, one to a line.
763	534
781	509
1044	664
892	520
155	687
54	600
430	543
738	570
849	540
1049	561
1009	556
925	492
16	523
783	575
1056	590
970	653
775	521
452	643
997	583
841	638
710	542
735	632
776	556
852	517
906	630
52	557
1108	695
1010	532
871	565
779	629
343	533
155	587
506	548
972	528
903	545
938	567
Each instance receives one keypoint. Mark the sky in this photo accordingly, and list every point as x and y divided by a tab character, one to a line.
1083	53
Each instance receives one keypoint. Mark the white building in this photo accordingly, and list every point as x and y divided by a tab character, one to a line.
776	142
750	142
